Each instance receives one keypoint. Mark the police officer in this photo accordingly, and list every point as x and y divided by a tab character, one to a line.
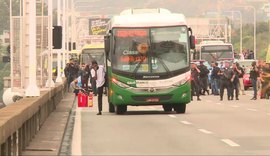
226	79
254	74
237	72
203	78
195	83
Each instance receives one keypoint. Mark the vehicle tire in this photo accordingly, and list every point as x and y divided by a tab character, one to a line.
180	108
167	108
111	108
246	88
120	109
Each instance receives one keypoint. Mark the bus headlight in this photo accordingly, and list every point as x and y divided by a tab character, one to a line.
182	82
120	84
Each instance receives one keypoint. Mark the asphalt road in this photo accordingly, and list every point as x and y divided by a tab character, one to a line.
209	127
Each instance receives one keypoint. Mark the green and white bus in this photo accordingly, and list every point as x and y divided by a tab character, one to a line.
148	60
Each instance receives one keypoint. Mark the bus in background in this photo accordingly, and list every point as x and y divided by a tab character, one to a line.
148	60
92	52
214	51
73	54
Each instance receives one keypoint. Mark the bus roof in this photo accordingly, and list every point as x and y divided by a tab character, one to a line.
211	43
93	46
148	20
75	51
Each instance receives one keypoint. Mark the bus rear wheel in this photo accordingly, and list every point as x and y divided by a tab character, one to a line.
111	108
167	108
120	109
180	108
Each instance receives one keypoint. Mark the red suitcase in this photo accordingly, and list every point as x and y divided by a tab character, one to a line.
82	100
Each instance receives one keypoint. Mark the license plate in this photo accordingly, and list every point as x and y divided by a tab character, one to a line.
152	100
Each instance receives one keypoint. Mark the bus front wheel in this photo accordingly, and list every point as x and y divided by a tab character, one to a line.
180	108
120	109
167	108
111	108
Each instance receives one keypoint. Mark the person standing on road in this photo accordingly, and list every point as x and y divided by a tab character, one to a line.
226	79
241	81
215	78
236	81
195	83
71	72
98	74
203	78
254	73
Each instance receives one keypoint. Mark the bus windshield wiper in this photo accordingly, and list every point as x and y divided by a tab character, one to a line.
137	67
163	64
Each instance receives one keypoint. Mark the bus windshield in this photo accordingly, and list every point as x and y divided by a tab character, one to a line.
151	50
212	53
88	55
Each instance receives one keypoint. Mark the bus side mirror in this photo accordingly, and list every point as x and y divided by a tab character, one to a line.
107	44
191	39
192	42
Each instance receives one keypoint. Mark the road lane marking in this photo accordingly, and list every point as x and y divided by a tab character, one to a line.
172	116
253	110
77	138
235	106
230	142
205	131
186	123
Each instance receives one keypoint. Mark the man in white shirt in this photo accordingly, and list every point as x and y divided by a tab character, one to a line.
98	74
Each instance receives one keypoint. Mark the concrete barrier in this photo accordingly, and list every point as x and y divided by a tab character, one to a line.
20	121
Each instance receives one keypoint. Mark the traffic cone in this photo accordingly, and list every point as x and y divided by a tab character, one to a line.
90	99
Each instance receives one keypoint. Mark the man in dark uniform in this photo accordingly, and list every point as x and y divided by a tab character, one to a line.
71	72
237	72
226	79
254	74
195	83
203	78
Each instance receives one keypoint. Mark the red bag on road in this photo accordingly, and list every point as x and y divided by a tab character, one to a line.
82	100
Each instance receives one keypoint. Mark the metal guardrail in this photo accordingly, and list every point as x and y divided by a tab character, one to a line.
21	121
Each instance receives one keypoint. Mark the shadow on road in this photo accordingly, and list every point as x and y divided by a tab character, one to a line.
148	112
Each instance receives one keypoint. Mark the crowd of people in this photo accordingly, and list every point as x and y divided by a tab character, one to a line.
79	76
230	77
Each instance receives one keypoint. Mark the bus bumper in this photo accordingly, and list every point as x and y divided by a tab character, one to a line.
175	95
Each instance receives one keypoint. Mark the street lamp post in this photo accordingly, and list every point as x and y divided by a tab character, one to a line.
32	89
254	31
64	36
59	78
50	82
241	27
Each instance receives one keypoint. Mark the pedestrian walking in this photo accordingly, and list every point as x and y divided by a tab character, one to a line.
254	74
226	81
195	83
98	74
